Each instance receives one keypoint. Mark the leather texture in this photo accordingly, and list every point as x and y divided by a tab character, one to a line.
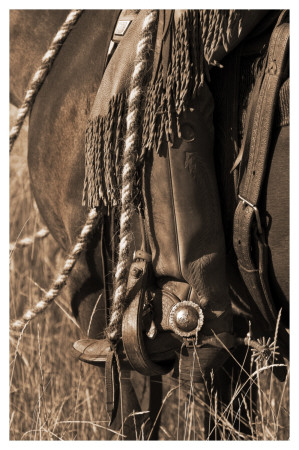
182	207
182	210
132	327
257	143
117	76
183	216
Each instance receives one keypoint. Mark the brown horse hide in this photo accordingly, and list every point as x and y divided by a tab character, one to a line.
31	32
56	154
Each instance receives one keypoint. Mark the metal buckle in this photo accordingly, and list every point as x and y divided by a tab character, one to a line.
257	214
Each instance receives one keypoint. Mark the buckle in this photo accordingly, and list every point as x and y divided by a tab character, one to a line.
256	211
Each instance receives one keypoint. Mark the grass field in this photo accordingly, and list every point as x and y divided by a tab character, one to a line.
54	397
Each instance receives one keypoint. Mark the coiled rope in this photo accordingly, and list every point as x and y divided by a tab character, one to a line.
131	151
89	227
42	72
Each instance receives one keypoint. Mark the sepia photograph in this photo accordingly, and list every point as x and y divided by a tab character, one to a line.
149	225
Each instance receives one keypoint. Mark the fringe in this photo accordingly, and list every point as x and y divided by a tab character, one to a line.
185	77
217	29
103	155
195	39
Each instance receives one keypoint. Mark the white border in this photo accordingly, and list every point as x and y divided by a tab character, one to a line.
54	4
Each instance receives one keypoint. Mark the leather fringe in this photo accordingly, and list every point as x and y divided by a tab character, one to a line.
185	76
217	28
103	155
195	38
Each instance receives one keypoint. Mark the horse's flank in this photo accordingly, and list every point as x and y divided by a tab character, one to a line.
31	32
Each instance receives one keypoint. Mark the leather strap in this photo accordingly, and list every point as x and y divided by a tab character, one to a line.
163	43
111	386
257	142
132	323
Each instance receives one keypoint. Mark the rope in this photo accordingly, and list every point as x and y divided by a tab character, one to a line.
130	154
58	284
25	242
42	72
34	86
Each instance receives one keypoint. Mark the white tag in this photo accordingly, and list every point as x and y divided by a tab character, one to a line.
121	27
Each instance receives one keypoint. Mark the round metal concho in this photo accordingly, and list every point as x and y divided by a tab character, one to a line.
186	318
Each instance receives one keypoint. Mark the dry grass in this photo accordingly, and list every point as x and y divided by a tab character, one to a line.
54	397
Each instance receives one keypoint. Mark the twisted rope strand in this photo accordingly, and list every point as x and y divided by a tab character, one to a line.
130	154
42	72
91	223
29	240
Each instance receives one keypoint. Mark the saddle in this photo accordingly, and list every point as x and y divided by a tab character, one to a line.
178	315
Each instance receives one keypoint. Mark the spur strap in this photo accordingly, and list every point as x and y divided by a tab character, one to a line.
132	329
247	215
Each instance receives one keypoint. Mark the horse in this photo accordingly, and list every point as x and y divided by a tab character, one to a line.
56	161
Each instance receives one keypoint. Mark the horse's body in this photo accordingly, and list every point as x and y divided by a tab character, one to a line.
56	158
63	106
